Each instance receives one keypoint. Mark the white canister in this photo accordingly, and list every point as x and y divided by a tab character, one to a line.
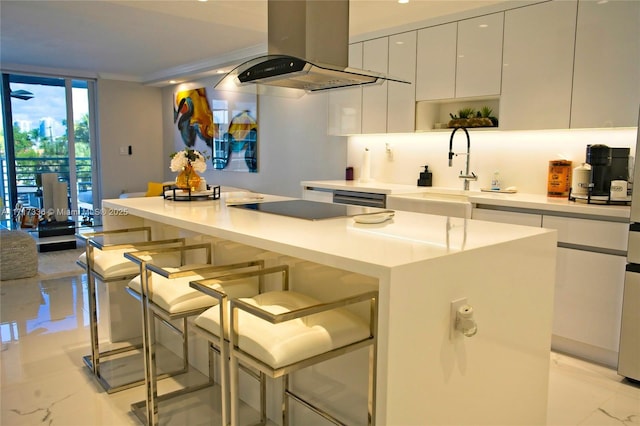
618	190
203	184
581	179
365	173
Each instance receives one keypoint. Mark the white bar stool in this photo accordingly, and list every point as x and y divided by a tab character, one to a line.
280	332
223	289
165	294
104	261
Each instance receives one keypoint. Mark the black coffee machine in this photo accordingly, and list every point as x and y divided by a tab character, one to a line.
607	164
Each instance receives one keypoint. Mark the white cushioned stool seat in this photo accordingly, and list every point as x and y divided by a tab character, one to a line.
112	263
175	295
279	345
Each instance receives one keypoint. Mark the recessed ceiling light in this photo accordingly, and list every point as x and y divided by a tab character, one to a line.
172	81
220	71
399	42
403	1
483	25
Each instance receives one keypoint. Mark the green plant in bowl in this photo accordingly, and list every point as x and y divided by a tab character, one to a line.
466	113
485	111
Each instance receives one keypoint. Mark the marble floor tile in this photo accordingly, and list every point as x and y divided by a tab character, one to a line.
44	332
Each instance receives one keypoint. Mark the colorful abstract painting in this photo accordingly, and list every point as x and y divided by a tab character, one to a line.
223	122
193	118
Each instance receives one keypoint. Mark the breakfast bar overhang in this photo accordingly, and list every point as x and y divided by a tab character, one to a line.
427	372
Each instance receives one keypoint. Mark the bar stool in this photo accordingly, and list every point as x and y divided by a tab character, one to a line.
164	293
280	332
224	288
104	261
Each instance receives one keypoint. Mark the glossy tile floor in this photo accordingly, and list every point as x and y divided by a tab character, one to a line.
44	331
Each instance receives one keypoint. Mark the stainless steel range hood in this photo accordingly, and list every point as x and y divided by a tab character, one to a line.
308	51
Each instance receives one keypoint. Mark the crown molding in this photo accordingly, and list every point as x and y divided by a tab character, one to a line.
204	68
10	68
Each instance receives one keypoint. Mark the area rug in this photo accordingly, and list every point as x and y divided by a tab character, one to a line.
60	263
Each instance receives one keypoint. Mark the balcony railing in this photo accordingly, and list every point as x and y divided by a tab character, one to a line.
28	170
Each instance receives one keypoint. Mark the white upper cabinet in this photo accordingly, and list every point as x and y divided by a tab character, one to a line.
345	105
606	86
375	57
401	97
479	56
538	66
461	59
436	62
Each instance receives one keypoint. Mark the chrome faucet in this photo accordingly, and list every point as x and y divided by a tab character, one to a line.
466	176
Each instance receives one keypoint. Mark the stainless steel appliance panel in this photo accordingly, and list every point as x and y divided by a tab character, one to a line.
629	350
635	196
629	354
360	198
633	249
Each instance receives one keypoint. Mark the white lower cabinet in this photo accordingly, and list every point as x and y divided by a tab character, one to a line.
590	272
588	304
589	232
501	216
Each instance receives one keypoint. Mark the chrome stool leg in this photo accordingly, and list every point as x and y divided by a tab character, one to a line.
335	330
148	410
93	360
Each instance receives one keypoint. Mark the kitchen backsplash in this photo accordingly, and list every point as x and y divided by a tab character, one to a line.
521	157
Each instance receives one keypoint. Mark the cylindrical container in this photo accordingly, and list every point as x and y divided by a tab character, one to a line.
203	184
618	190
599	156
559	178
365	173
495	181
349	173
581	179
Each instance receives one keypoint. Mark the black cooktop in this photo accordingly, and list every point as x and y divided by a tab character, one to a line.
311	210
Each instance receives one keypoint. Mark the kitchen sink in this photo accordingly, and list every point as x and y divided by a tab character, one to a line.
446	203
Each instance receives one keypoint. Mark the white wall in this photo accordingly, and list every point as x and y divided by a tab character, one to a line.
522	157
293	144
129	114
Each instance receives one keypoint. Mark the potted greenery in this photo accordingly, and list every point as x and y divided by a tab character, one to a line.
469	117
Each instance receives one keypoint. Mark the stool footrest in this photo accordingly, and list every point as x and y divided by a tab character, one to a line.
108	384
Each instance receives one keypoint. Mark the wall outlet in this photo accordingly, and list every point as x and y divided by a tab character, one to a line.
455	305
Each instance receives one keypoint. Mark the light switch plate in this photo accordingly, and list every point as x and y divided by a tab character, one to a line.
124	150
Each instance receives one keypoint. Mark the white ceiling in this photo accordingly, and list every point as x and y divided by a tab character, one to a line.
152	41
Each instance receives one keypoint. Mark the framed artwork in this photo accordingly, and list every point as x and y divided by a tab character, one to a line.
30	217
222	124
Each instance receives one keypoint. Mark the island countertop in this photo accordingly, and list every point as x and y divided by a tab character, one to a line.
421	265
341	242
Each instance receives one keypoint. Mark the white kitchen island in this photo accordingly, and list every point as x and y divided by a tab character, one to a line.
420	264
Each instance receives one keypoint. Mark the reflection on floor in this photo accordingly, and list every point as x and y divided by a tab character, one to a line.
44	332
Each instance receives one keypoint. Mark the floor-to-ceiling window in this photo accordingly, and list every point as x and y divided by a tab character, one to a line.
48	128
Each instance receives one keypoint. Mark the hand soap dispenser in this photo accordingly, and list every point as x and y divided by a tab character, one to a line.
425	177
